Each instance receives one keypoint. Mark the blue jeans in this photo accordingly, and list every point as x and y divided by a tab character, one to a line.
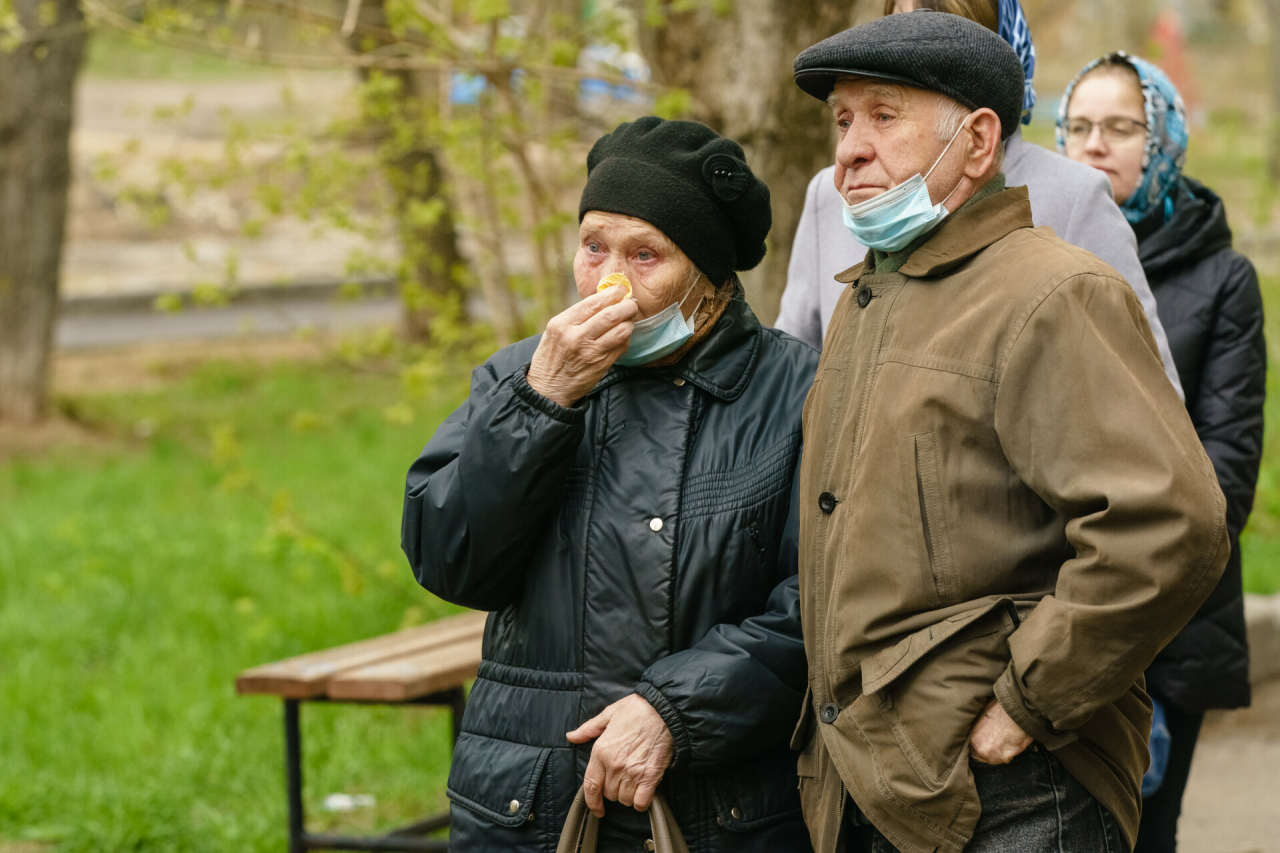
1030	805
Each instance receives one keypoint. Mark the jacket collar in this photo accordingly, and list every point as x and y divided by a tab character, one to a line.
962	235
721	365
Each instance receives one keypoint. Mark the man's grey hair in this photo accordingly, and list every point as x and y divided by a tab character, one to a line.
951	114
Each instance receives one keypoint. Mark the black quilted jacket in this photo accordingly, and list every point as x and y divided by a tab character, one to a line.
610	540
1211	309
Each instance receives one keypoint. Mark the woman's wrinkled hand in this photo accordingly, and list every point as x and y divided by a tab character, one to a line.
633	749
996	738
581	344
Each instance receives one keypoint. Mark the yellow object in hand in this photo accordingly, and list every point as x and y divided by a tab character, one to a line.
612	279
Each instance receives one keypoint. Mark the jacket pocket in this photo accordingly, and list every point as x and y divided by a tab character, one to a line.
926	692
523	705
929	508
756	793
497	779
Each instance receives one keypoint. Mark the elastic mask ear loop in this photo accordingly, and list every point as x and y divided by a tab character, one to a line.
954	136
694	316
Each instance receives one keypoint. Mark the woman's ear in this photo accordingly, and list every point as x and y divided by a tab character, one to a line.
984	152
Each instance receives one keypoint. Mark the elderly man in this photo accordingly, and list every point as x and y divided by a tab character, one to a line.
1074	202
1005	511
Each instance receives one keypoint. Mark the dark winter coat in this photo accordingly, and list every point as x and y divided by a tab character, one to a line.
610	540
1211	308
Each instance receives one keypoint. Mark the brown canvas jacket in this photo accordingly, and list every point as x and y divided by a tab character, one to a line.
1000	494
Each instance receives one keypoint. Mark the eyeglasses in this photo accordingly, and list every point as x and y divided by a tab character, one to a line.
1114	129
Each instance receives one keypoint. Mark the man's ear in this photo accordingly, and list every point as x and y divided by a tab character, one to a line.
984	129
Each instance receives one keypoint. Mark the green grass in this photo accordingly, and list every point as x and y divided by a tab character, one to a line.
136	580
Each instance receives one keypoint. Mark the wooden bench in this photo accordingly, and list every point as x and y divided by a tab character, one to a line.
420	666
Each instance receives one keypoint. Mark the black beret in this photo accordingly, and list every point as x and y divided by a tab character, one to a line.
935	51
687	181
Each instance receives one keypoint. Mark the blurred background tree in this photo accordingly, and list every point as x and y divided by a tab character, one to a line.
734	59
529	117
41	48
463	142
474	118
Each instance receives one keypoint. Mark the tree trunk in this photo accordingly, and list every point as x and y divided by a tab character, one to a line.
737	67
37	85
416	174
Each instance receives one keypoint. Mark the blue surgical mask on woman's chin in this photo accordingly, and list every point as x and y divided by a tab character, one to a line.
891	220
660	335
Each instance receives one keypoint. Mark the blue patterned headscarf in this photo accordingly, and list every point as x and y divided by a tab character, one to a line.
1166	149
1014	30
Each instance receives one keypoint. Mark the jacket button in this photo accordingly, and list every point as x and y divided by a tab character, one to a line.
655	525
514	807
736	812
678	382
864	297
829	712
648	844
827	503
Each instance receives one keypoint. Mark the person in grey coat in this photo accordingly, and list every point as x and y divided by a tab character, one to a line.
1069	197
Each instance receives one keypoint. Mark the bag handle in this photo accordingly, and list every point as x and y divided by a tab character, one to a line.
582	828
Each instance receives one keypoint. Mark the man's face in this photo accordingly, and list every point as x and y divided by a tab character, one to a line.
887	135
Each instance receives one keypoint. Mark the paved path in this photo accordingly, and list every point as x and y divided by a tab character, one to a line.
1232	804
80	331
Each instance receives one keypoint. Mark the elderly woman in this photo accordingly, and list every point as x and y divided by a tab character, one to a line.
619	493
1123	116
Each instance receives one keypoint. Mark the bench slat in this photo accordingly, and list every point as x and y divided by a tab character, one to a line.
306	676
410	677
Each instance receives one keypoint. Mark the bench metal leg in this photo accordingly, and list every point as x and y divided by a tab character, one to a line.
402	840
293	776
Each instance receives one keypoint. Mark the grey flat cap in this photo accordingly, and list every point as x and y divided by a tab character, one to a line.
929	50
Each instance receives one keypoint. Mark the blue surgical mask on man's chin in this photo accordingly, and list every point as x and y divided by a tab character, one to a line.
891	220
660	335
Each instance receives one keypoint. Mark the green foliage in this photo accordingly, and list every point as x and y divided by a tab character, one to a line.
12	33
400	156
136	579
676	104
484	11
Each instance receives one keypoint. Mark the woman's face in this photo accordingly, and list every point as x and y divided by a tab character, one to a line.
1105	128
658	271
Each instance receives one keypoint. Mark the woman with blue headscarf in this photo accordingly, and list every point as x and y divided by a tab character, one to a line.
1122	116
1069	198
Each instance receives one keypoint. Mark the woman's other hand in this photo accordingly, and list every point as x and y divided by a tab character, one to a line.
581	344
633	749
